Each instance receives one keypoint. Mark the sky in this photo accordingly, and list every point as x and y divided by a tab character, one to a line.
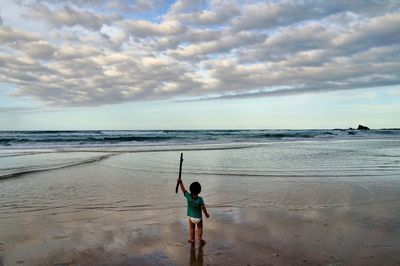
190	64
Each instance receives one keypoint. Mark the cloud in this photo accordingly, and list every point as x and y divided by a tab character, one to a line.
96	78
197	49
37	50
219	12
222	44
233	80
10	35
69	17
311	40
267	15
74	2
316	43
186	5
378	31
144	28
136	6
188	36
68	52
121	5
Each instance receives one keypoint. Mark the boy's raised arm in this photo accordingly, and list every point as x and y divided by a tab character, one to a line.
182	186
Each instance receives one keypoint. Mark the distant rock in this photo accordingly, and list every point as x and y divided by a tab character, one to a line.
361	127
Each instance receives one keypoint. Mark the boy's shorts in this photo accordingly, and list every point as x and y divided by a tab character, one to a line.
195	220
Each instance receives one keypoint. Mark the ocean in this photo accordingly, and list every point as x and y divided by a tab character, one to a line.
135	138
28	151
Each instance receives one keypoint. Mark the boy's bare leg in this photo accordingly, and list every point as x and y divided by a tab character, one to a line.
200	231
191	230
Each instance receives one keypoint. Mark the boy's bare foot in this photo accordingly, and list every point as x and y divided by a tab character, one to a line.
191	241
202	241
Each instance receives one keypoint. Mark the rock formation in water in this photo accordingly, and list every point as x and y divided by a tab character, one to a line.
361	127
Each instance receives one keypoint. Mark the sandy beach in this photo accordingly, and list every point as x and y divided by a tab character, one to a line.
277	204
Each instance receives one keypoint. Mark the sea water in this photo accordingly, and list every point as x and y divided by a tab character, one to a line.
240	168
134	138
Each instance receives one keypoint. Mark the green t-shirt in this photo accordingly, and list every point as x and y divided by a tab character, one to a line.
193	205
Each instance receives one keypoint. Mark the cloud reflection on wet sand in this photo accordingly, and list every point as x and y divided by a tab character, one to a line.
234	237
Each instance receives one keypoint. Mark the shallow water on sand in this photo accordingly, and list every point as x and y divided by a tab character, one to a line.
122	205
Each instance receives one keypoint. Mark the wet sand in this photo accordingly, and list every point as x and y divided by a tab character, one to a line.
234	237
123	210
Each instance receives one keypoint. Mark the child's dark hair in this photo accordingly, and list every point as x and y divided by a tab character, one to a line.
195	188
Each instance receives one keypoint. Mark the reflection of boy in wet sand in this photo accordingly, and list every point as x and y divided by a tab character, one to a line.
195	205
196	260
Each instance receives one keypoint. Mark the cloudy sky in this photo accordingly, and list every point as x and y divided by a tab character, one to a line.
189	64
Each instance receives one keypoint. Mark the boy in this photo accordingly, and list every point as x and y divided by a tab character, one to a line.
195	205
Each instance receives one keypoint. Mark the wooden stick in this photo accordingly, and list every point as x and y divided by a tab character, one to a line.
180	174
